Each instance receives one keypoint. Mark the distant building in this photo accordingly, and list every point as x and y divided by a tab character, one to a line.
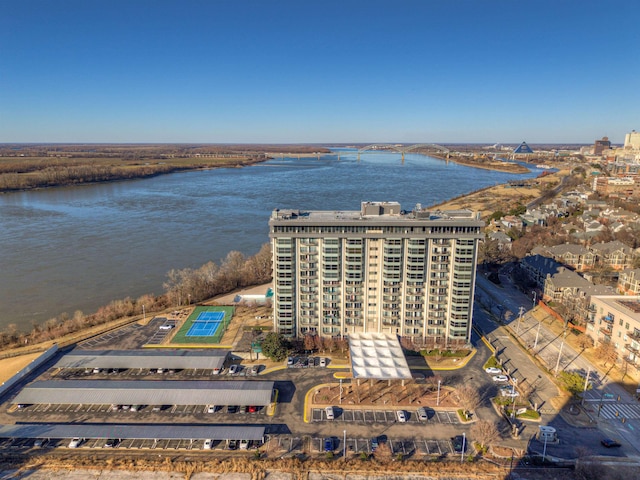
523	148
632	140
629	282
601	145
379	269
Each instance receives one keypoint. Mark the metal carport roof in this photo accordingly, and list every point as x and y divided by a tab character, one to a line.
377	356
148	358
143	432
147	392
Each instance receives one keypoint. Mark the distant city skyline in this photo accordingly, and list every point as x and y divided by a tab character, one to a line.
163	71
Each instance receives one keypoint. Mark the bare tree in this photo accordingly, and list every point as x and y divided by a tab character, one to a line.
485	432
468	398
309	342
607	352
584	341
383	453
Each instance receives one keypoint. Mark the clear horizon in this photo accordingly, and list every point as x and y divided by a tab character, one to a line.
285	72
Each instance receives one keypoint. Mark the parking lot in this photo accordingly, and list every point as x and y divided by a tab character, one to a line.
129	443
142	409
406	447
155	373
383	416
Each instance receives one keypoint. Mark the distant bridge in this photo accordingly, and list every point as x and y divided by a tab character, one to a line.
385	147
402	149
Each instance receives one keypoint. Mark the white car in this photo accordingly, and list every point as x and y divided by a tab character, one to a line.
323	362
330	413
402	416
509	393
500	378
75	442
211	408
244	444
166	327
234	369
207	444
493	370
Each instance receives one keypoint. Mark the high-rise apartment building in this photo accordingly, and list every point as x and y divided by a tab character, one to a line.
601	145
379	269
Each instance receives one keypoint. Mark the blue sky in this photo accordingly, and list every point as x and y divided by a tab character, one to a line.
318	71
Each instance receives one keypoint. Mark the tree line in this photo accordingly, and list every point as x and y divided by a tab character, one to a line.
182	287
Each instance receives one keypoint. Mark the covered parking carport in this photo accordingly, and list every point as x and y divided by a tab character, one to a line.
137	432
141	392
377	356
177	359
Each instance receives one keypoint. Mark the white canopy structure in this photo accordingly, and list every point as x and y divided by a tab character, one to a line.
377	356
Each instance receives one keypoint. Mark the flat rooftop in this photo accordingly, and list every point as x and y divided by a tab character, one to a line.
147	358
147	392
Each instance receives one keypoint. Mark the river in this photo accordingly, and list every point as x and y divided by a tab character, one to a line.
78	248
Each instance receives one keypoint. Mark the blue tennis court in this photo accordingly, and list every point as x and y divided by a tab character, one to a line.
204	328
209	316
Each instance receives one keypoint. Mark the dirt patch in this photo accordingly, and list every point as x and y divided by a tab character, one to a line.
10	366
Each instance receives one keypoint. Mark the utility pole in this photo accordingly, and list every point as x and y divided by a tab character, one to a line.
586	384
535	344
438	399
519	320
564	335
535	294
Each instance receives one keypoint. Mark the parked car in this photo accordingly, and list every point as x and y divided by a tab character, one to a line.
135	408
323	362
290	361
374	444
208	443
244	444
459	444
254	370
111	443
509	392
500	378
330	413
609	443
402	416
422	414
75	442
96	370
328	444
493	370
166	327
211	408
234	369
40	442
253	409
233	444
232	408
243	409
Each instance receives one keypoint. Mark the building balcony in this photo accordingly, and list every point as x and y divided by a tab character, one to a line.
632	348
635	335
607	319
606	331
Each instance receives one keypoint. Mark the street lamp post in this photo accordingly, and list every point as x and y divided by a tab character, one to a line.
535	294
464	441
438	399
544	450
519	320
144	315
344	445
560	352
586	384
535	344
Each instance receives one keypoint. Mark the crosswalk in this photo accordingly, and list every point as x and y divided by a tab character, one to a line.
620	410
